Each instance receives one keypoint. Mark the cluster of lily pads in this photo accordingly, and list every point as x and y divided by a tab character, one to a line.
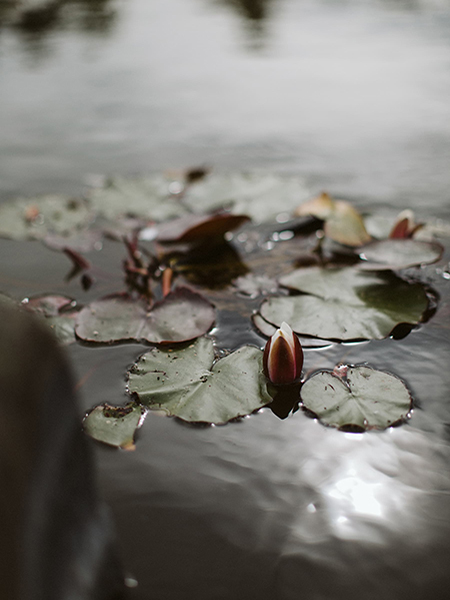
167	222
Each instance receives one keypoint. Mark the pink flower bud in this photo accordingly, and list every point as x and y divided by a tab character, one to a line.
283	356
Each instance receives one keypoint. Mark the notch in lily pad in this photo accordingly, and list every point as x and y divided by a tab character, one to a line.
181	316
114	425
60	313
192	384
357	398
346	304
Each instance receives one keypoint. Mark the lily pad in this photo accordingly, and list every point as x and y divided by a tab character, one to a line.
362	399
195	228
59	312
188	384
181	316
147	197
34	218
346	304
261	196
114	425
85	240
268	330
343	223
398	254
346	226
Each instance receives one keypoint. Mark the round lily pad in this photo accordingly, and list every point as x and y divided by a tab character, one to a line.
189	384
34	218
147	197
114	425
260	195
346	304
398	254
181	316
361	399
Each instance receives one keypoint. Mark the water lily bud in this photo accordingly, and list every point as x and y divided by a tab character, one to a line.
405	226
283	356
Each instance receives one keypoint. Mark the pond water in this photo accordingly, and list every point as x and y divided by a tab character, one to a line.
353	97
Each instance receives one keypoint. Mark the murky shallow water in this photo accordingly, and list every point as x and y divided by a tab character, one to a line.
353	97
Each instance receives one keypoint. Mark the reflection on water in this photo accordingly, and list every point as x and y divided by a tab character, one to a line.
40	17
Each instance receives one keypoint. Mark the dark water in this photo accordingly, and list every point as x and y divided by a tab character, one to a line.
353	97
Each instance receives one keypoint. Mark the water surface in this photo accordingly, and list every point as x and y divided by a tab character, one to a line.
353	96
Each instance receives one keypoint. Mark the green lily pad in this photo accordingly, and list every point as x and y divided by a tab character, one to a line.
188	384
114	425
398	254
260	195
346	304
147	197
34	218
268	330
181	316
60	313
362	399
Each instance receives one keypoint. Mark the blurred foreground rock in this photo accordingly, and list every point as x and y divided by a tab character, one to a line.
57	541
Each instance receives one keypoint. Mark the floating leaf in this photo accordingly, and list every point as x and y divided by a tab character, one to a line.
59	312
83	241
148	197
195	228
343	223
34	218
321	207
261	196
362	399
114	425
268	330
188	384
398	254
346	304
346	226
181	316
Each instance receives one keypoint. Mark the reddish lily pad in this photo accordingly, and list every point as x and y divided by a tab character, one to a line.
195	228
181	316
